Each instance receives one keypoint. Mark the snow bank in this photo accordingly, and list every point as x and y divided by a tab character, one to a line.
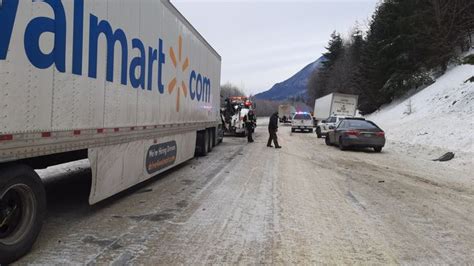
441	115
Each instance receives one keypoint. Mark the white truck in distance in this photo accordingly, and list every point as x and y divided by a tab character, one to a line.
328	110
130	85
302	121
286	112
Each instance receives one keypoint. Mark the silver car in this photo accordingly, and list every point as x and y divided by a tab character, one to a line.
356	132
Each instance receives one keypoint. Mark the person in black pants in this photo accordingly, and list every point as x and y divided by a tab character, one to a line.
250	123
272	129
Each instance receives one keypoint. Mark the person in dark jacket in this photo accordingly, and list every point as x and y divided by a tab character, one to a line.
272	129
250	123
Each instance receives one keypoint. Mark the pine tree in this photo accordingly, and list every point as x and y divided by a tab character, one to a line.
406	43
334	50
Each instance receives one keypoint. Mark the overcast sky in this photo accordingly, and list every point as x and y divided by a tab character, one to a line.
263	42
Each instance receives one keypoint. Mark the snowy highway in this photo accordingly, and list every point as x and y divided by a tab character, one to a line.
246	203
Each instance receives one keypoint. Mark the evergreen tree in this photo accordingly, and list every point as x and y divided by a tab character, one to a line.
407	42
334	50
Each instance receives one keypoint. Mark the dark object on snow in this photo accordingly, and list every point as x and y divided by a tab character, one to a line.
381	181
470	80
145	190
446	157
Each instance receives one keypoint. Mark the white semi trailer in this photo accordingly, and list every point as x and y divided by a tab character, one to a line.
128	84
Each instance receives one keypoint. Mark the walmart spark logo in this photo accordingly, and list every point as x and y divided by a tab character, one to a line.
180	67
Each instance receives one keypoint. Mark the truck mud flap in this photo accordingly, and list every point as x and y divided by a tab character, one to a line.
118	167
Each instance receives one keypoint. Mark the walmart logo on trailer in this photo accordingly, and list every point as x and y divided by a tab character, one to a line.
202	85
139	72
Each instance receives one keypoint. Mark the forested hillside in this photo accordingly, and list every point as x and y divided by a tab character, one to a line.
407	45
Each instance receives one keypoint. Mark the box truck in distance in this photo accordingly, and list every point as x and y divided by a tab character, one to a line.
130	85
286	112
328	110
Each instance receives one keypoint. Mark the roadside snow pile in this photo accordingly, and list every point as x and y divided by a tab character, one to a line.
441	116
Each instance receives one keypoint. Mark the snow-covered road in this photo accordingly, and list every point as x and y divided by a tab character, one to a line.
246	204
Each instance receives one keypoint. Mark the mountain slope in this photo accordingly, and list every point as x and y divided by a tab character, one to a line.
294	86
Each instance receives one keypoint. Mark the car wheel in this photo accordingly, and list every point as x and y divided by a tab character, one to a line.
377	149
342	147
292	130
328	141
318	132
310	130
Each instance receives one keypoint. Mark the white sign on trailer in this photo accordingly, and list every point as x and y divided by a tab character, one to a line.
344	105
335	104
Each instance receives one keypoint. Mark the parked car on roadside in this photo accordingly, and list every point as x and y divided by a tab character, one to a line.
303	122
356	132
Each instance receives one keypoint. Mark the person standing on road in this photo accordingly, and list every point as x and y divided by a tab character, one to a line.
250	123
272	130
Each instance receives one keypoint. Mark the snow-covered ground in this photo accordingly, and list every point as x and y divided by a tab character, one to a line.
440	120
246	204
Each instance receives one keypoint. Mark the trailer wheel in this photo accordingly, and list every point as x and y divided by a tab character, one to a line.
210	142
22	210
213	137
202	142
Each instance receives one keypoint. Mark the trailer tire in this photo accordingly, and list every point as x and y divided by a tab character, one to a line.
213	137
210	142
202	142
22	210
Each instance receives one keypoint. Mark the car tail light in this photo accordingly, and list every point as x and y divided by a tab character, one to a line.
380	134
352	133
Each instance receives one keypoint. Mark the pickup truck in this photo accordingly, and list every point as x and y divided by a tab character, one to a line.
327	125
302	122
